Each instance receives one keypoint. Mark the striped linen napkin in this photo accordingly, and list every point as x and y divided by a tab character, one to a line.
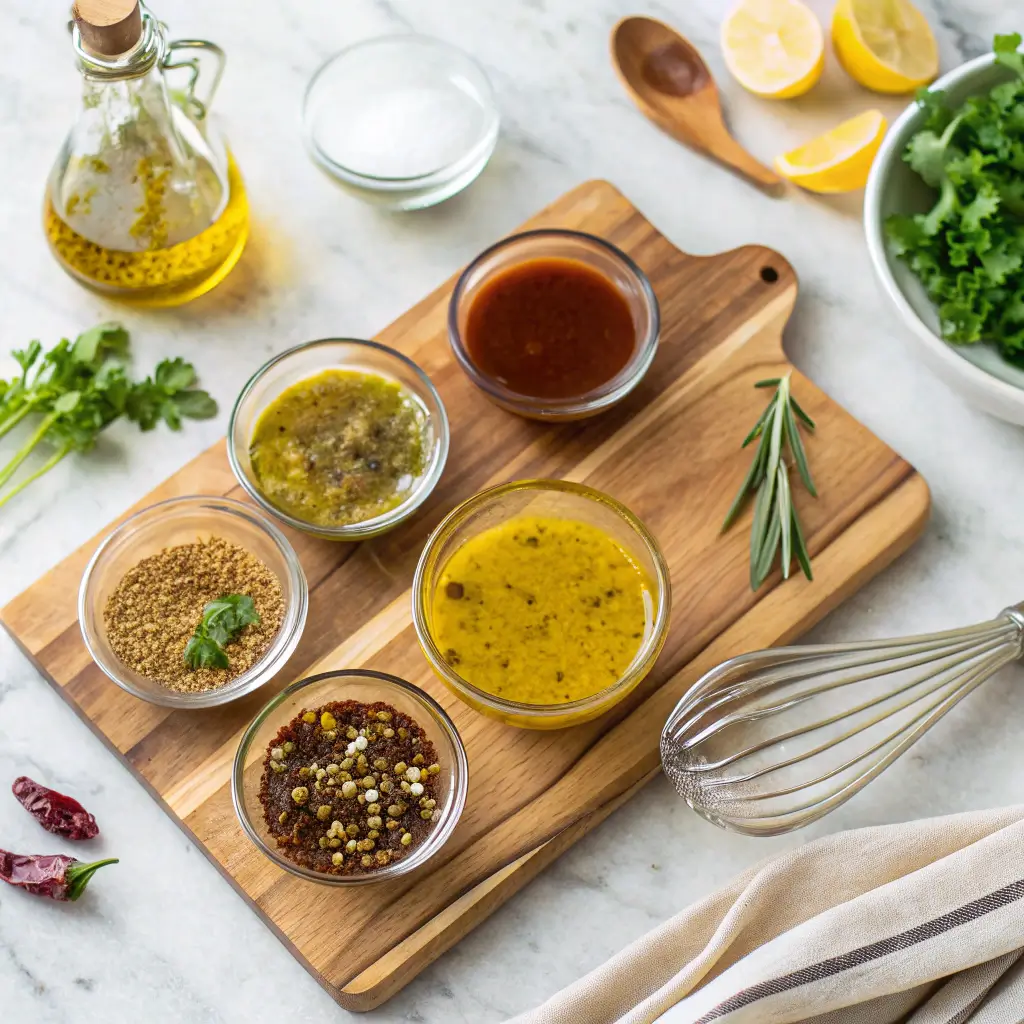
920	923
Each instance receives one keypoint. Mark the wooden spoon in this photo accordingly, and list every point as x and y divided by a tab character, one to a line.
670	83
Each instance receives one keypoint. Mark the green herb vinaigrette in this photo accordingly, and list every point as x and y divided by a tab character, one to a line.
339	448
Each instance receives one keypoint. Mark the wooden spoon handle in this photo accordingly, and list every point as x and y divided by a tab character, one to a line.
713	138
719	144
728	151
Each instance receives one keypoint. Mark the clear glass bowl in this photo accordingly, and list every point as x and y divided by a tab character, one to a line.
559	499
184	521
366	687
401	121
305	361
612	263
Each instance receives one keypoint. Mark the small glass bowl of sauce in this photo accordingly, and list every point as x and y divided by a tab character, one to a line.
541	603
340	438
554	324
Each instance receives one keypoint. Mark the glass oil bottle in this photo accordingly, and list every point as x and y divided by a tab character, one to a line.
144	203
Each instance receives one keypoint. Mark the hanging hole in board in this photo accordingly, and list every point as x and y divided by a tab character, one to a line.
769	275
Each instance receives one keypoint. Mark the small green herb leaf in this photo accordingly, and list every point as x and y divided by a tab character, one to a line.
163	398
67	402
222	621
195	405
25	357
91	347
204	652
174	375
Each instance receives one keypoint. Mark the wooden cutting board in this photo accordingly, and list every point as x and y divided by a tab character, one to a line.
671	452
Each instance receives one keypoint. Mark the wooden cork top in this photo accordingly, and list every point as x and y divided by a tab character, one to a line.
108	27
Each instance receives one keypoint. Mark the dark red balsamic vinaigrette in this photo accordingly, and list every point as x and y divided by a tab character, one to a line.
550	328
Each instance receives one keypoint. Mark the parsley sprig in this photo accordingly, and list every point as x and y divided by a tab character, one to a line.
775	524
73	392
222	621
968	249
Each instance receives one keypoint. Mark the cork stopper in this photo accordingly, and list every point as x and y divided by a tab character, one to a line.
108	27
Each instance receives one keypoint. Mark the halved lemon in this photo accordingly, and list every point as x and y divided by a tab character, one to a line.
774	48
886	45
839	160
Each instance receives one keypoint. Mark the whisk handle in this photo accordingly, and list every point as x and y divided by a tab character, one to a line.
1016	613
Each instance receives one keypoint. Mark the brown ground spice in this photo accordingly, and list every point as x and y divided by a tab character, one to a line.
155	609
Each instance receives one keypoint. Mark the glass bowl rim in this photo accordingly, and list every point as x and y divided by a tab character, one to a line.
414	181
436	839
367	527
642	661
260	673
589	402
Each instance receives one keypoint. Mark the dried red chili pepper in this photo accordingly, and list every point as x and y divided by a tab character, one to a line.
62	815
56	877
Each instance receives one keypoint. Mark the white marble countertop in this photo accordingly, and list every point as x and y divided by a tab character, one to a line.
162	937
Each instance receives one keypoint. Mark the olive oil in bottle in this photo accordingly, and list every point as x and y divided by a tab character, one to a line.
144	203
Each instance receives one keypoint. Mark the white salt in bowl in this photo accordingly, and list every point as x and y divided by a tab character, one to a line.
402	121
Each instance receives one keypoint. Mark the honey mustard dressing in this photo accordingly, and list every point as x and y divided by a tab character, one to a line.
541	610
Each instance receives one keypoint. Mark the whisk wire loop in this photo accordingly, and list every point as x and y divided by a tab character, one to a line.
770	741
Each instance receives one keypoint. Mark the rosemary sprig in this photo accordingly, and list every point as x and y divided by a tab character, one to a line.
775	523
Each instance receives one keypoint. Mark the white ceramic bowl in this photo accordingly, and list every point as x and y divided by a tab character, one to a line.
977	372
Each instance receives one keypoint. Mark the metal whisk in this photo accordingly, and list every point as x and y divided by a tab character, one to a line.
771	741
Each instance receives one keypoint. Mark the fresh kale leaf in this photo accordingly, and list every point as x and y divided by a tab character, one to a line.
1007	52
968	249
927	153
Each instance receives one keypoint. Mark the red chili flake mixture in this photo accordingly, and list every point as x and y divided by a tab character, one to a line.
349	788
62	815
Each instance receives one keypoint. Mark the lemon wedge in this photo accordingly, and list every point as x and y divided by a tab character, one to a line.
839	160
885	45
774	48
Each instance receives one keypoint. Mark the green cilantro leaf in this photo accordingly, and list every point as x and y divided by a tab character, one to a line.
202	652
94	345
168	396
67	395
222	621
174	375
195	405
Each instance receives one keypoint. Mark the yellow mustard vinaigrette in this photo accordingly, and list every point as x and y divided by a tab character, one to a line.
541	610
